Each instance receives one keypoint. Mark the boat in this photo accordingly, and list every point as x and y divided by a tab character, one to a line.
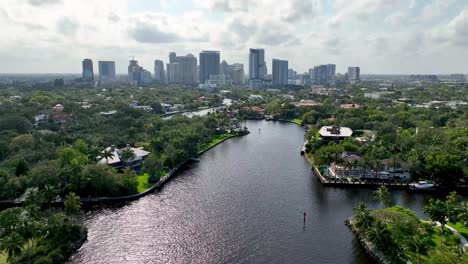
422	185
268	117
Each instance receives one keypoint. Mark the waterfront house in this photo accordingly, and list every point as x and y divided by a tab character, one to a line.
387	172
334	133
117	161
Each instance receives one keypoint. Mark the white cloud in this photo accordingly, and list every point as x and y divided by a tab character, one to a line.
37	34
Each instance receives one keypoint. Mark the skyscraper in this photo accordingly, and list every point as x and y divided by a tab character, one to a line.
311	75
174	73
280	72
137	74
106	70
237	73
257	68
172	57
209	65
354	74
182	69
223	67
88	73
233	72
323	74
134	71
331	71
159	71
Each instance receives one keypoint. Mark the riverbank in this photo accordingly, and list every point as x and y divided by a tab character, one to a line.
162	181
395	234
158	185
376	255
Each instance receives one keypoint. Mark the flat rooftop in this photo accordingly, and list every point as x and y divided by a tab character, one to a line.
334	131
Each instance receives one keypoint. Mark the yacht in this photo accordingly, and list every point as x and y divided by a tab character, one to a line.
422	185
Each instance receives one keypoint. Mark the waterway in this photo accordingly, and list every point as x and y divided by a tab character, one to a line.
242	203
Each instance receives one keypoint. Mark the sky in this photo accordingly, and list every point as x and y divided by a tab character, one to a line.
380	36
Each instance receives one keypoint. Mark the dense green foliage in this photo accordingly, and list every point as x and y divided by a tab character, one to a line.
37	234
430	141
400	235
64	156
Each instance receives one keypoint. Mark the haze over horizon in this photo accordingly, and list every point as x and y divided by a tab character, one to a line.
380	36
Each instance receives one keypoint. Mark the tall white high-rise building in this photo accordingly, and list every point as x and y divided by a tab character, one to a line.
280	72
323	74
354	74
233	72
182	69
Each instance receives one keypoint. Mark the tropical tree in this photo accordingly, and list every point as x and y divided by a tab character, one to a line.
453	204
12	244
94	154
72	204
463	213
383	196
153	166
437	210
128	155
420	243
106	154
362	216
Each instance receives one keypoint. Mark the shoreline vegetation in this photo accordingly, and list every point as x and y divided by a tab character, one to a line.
40	233
143	183
53	139
393	234
80	234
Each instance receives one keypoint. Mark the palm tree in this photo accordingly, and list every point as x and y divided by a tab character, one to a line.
420	243
12	245
106	154
128	155
50	193
383	196
377	234
362	216
72	204
94	154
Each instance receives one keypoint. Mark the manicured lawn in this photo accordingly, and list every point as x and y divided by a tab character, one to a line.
203	107
143	183
463	230
297	121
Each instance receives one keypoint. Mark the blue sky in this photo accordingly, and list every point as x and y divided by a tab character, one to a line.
381	36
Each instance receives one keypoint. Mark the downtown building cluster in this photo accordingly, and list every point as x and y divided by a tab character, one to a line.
208	71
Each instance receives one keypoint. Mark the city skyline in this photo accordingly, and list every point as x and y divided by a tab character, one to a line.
382	36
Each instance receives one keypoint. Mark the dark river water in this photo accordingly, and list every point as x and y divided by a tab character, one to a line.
242	203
